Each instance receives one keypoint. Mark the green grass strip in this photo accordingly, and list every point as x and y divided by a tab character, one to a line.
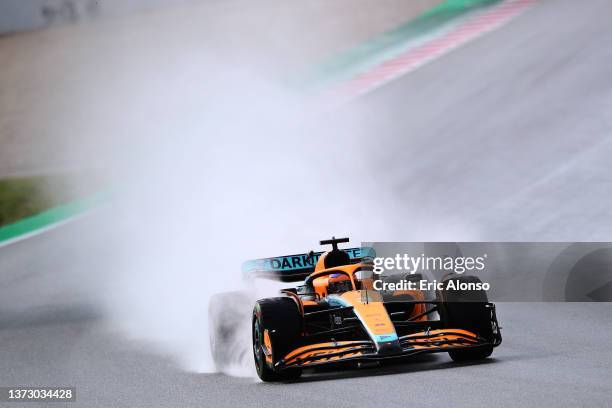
51	216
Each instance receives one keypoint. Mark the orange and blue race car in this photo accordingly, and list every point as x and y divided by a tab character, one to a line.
336	317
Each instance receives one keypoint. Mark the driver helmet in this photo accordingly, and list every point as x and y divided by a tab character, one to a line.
338	283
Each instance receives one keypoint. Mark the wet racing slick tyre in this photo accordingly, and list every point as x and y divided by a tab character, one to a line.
466	309
281	318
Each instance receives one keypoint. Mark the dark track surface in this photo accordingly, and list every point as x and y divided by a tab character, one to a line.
515	144
554	354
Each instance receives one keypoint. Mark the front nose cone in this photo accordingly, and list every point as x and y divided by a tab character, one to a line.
389	348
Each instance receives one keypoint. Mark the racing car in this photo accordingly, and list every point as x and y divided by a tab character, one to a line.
336	317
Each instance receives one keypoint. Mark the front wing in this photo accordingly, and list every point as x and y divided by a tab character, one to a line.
433	341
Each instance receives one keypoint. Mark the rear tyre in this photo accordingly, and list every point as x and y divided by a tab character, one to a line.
466	309
228	328
281	318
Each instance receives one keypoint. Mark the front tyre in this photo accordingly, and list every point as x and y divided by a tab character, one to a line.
467	310
280	318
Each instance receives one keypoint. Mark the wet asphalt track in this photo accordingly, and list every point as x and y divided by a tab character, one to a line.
507	138
554	354
529	109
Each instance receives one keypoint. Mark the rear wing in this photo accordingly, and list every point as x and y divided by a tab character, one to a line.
295	268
